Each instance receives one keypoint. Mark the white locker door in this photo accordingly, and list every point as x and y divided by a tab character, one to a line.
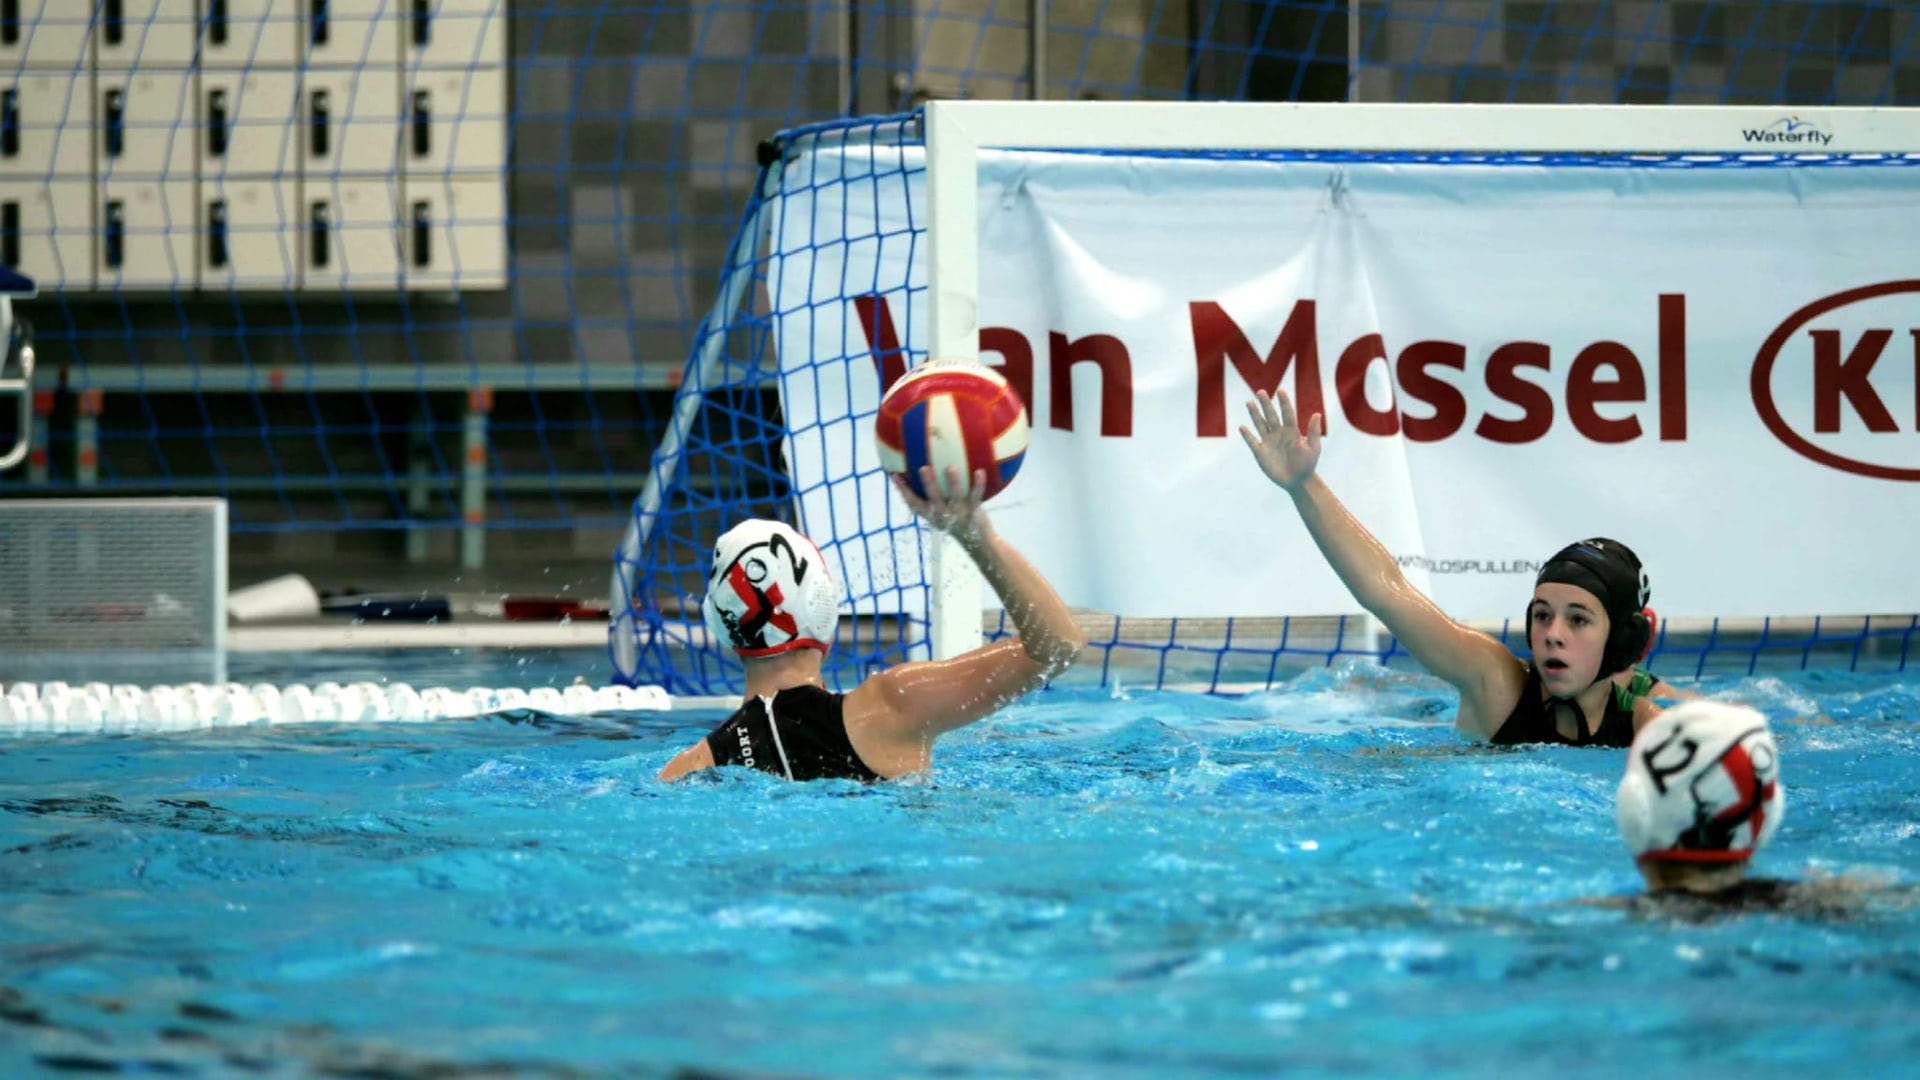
250	234
146	235
142	34
249	123
46	231
46	125
147	122
47	35
350	235
456	121
453	33
455	234
236	34
351	33
350	122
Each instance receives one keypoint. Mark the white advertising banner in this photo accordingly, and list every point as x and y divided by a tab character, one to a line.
1718	366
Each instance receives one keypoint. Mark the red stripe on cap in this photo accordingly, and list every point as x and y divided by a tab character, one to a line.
796	643
1681	855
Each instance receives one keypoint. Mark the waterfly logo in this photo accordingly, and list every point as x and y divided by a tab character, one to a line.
1790	130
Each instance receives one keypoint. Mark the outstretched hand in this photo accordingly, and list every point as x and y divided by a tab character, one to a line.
1287	452
959	516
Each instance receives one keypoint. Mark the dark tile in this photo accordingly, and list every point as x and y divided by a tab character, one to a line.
1533	88
540	211
597	144
782	31
1481	84
1699	32
656	143
1550	33
572	27
1757	77
1863	32
1783	24
1646	85
1425	84
658	220
1906	86
652	29
550	33
1809	85
552	344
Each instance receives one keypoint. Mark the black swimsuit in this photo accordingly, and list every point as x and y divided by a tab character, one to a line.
798	733
1532	720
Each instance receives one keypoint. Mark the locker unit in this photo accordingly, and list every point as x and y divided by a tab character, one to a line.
453	33
142	34
46	35
46	231
145	234
455	121
249	123
350	123
46	125
454	234
145	123
351	33
350	235
249	237
250	34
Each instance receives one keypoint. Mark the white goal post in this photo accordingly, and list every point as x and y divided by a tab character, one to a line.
956	132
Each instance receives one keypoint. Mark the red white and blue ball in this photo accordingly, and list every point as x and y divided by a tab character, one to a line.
952	413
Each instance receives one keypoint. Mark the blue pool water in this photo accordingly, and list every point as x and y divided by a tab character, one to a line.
1320	880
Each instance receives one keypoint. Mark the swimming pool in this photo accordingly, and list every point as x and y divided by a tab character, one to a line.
1319	880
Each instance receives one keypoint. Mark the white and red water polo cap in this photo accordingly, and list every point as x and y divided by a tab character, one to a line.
1702	786
770	592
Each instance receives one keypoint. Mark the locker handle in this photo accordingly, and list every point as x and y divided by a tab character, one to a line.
217	122
116	233
9	22
217	22
422	233
422	23
116	103
319	224
217	234
320	114
10	232
317	18
422	123
113	19
9	122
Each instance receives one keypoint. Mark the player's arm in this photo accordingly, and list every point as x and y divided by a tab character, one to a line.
691	760
1472	661
920	700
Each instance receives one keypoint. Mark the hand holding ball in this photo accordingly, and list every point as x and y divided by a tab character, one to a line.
952	414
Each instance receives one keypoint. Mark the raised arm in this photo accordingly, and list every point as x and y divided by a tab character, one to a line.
1471	661
914	702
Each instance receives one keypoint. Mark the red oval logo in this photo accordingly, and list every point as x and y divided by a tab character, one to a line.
1762	382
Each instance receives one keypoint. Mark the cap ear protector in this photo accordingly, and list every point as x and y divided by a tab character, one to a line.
1612	573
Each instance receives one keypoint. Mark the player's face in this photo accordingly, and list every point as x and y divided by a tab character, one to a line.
1567	628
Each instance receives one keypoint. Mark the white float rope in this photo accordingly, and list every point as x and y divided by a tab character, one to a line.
55	708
